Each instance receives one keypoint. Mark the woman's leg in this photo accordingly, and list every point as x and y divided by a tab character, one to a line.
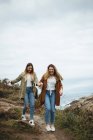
52	114
26	102
47	108
32	104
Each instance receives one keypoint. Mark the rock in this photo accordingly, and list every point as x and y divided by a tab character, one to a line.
85	103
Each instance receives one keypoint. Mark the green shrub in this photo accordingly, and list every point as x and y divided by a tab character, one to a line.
77	121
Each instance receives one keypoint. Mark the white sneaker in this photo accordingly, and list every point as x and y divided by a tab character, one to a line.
52	128
23	118
32	122
48	128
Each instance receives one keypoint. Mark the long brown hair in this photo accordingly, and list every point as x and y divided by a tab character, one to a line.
56	73
29	64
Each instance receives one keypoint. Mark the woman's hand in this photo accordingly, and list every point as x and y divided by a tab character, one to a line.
40	84
9	82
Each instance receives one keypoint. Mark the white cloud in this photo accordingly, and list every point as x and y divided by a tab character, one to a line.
46	32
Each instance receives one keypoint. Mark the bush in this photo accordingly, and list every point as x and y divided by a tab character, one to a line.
77	121
13	113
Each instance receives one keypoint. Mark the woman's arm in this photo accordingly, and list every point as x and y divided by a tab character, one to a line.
61	89
36	80
40	84
17	79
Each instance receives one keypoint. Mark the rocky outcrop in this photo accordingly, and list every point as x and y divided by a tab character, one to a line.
85	103
78	118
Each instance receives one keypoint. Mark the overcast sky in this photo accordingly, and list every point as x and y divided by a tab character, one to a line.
48	31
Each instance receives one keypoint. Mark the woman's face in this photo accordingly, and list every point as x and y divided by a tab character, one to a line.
51	70
29	69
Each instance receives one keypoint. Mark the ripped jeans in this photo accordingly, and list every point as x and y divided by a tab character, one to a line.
50	107
29	99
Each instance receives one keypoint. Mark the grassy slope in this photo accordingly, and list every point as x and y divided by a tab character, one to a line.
76	121
10	127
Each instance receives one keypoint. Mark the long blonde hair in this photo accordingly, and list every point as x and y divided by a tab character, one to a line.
56	73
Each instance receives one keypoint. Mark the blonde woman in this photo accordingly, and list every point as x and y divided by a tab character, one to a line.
52	89
28	80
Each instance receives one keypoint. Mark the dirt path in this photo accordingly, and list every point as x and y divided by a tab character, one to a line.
57	135
44	135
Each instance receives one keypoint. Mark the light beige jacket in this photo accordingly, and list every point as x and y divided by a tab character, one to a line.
22	78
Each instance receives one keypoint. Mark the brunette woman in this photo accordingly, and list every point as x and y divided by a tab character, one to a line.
28	80
52	89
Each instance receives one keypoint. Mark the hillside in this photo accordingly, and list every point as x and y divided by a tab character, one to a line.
78	118
73	123
10	119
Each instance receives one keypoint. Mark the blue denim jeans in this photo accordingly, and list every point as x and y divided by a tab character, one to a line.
29	99
50	107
